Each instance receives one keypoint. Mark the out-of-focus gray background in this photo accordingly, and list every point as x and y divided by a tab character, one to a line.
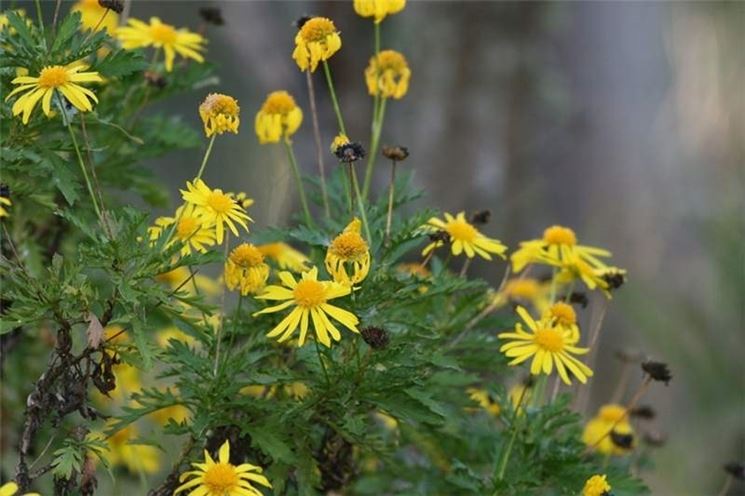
622	120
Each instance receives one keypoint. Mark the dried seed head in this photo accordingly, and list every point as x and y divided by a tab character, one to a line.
212	15
658	371
736	470
624	441
115	5
350	152
654	439
396	153
644	412
302	20
155	79
377	337
481	217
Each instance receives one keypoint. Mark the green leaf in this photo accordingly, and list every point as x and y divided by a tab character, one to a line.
66	30
121	63
66	460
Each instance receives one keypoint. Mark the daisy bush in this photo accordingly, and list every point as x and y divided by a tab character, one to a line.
164	345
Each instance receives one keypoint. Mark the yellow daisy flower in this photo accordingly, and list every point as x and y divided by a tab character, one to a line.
10	488
596	433
221	478
378	9
564	316
65	79
245	270
4	202
160	35
279	117
388	75
559	248
92	16
285	256
315	42
485	401
216	207
464	237
220	114
193	229
310	298
548	345
348	249
596	486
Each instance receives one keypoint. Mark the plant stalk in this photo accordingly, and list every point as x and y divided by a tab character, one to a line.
299	181
334	100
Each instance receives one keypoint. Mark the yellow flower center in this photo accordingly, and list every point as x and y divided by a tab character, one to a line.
558	235
317	29
391	60
563	313
53	77
612	413
349	245
187	226
246	255
163	33
309	294
278	102
461	231
219	202
549	340
217	104
221	477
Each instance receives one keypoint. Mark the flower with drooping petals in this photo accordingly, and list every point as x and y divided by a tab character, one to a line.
278	118
378	9
348	256
220	114
285	256
388	75
245	270
216	207
315	42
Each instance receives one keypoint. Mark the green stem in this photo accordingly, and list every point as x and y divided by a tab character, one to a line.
374	142
319	147
334	100
391	194
361	206
80	157
206	157
220	329
323	365
40	19
505	457
299	180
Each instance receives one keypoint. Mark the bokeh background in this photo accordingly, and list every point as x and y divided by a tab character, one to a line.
623	120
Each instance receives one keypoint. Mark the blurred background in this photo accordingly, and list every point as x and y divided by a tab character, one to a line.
624	121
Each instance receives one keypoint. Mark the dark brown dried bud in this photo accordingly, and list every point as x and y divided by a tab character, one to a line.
350	152
736	470
212	15
481	217
624	441
654	439
301	21
658	371
579	298
396	153
155	79
439	236
628	356
115	5
4	190
377	337
614	278
644	412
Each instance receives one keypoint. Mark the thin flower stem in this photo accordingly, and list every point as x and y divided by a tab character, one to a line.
505	457
206	157
391	193
39	17
623	381
218	337
299	181
374	143
553	286
726	486
56	16
95	29
96	184
317	136
334	100
80	158
464	269
323	365
361	207
350	189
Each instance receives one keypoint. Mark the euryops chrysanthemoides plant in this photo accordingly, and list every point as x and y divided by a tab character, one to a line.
347	352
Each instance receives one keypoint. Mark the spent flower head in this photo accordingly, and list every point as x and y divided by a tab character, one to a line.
278	118
387	75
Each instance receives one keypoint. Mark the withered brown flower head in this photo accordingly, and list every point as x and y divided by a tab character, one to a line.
578	298
481	217
396	153
377	337
212	15
736	470
115	5
350	152
614	279
658	371
155	79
